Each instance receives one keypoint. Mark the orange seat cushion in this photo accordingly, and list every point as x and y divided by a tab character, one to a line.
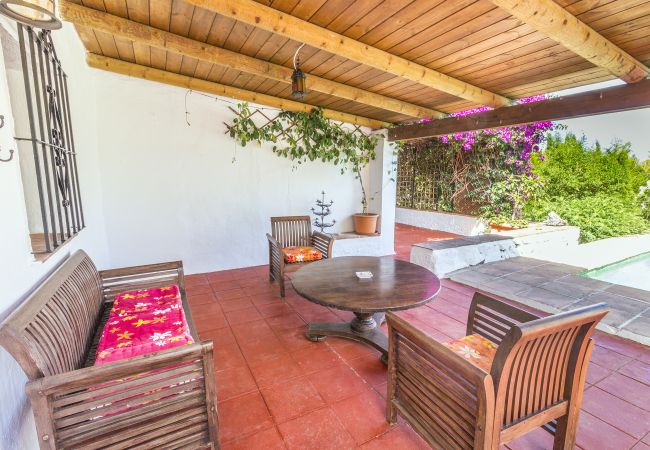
476	349
301	254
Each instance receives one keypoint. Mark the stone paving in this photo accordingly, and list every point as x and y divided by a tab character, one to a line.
553	287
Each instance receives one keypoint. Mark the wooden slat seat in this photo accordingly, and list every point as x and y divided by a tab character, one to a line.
535	380
162	399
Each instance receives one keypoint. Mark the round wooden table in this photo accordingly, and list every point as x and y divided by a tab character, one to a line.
395	285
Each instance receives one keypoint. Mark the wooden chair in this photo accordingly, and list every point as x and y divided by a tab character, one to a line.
293	231
536	378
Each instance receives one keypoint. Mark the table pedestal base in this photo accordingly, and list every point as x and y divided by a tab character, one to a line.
363	328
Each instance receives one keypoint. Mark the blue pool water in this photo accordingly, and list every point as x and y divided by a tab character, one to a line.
634	272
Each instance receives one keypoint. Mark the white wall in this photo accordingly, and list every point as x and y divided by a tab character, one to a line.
442	221
173	191
18	271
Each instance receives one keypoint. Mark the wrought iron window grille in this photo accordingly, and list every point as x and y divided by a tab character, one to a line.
52	140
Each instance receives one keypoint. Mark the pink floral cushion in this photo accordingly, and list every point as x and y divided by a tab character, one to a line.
142	322
301	254
476	349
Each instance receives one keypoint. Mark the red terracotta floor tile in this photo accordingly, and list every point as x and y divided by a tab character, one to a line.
623	415
318	430
201	299
294	339
288	322
316	358
274	310
233	382
594	434
198	289
209	322
220	336
638	370
371	369
235	304
231	294
249	331
243	415
364	416
196	280
262	349
225	285
242	316
275	370
641	446
628	389
538	439
292	399
349	349
338	383
268	439
595	373
608	358
228	355
399	437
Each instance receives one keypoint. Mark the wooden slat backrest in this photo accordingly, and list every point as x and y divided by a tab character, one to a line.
291	231
493	319
50	332
537	363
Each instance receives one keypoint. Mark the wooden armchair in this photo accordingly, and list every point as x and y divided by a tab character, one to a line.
293	231
536	378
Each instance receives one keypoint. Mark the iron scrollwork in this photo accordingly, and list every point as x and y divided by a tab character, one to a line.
11	152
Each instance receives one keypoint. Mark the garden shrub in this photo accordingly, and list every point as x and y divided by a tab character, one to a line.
591	188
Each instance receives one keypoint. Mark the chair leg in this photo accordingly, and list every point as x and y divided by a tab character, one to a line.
565	433
281	281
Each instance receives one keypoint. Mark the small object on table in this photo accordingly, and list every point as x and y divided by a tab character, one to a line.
364	275
395	285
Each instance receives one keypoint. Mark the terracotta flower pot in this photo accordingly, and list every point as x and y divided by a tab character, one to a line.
365	223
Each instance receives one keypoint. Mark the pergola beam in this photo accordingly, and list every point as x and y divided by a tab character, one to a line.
144	34
558	24
196	84
269	19
610	100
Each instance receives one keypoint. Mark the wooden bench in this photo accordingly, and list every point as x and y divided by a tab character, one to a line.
164	399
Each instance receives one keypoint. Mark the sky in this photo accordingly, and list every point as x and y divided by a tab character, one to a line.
628	126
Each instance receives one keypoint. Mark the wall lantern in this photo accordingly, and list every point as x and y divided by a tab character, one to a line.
35	13
298	84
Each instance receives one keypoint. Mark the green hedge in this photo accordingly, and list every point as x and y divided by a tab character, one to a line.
592	188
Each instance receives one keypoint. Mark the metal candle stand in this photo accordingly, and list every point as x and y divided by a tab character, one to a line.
324	211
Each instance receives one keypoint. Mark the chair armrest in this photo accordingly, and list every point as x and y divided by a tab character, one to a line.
147	276
492	318
323	242
129	398
439	393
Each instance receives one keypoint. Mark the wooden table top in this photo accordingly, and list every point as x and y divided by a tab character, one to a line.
395	284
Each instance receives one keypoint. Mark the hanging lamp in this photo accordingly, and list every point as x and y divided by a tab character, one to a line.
35	13
298	79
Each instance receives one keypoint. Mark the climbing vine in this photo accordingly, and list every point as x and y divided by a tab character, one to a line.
301	137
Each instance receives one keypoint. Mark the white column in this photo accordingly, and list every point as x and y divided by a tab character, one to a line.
382	191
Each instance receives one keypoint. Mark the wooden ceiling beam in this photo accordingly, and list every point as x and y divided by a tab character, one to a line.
614	99
269	19
143	34
560	25
196	84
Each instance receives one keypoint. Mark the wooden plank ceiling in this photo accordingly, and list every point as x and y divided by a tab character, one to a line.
472	41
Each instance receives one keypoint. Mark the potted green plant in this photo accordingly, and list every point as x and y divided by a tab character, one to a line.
302	136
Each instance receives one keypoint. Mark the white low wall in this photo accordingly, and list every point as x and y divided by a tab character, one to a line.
435	220
533	242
